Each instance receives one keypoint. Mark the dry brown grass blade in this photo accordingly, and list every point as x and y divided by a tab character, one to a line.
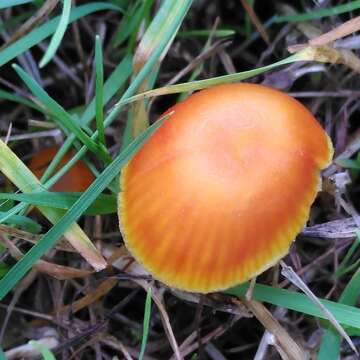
322	44
90	297
340	31
44	11
327	54
101	290
256	21
59	272
285	344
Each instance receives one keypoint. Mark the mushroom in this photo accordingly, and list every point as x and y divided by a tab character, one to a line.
219	192
77	179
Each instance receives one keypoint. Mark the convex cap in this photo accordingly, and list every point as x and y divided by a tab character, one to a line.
222	188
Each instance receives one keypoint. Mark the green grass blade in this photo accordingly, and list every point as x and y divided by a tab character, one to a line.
118	77
159	35
4	217
23	222
63	118
219	33
331	341
9	3
345	262
19	99
99	91
329	346
4	268
130	23
344	314
104	204
146	324
348	164
114	82
50	238
42	32
43	350
318	14
202	84
144	72
58	35
19	174
2	355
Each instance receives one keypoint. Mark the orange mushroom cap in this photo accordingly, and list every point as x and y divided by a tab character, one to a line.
77	179
219	192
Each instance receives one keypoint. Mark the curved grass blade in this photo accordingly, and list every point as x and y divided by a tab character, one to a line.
58	35
19	270
43	350
42	32
201	84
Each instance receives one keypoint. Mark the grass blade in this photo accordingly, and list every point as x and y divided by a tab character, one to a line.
103	204
58	35
219	33
201	84
318	14
295	279
19	99
63	118
2	355
99	92
344	314
42	32
165	24
114	82
16	171
50	238
23	222
43	350
146	324
331	341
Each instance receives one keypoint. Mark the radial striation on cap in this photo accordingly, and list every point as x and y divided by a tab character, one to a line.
222	188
